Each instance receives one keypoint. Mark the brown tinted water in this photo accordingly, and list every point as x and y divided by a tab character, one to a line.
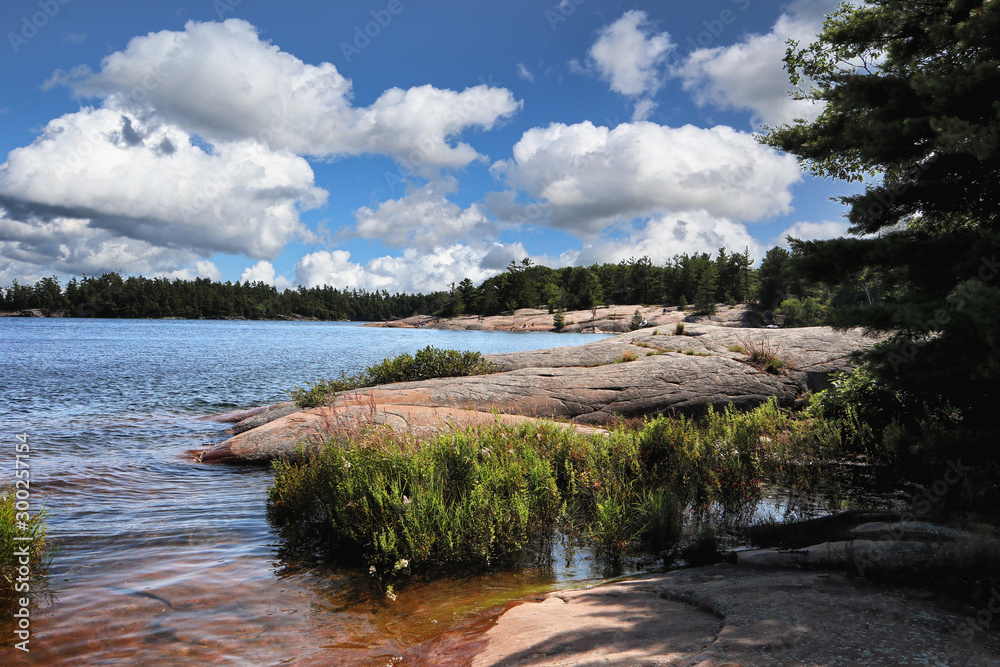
164	561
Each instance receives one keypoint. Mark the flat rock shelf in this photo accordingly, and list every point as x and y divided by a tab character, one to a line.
640	373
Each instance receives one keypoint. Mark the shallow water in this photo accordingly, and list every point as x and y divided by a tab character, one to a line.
162	560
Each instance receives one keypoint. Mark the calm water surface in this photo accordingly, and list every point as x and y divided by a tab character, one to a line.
166	561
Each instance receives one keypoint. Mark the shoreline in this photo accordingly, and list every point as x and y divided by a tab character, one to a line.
608	320
646	372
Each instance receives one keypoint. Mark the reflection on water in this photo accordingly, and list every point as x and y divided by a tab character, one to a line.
165	561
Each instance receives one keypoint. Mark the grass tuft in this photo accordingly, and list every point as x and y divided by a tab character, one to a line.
764	356
34	527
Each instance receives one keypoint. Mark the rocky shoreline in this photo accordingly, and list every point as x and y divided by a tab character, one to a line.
774	606
606	319
640	373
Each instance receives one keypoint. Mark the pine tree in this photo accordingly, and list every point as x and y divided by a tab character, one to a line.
704	300
911	94
559	320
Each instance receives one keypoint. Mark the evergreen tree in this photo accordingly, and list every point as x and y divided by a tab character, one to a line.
559	320
704	301
911	93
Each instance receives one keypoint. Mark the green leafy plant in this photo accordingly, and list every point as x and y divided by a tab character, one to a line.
679	329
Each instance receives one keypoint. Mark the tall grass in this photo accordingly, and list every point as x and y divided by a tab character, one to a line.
485	497
9	529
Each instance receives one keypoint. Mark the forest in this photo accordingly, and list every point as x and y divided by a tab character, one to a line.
699	280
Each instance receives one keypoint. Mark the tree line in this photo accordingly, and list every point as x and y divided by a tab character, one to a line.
697	279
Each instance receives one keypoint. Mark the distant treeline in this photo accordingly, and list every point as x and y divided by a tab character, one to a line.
698	280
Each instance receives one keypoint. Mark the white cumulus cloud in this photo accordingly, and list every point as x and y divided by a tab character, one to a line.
263	271
750	74
424	218
588	177
70	246
663	236
813	231
413	271
629	56
147	181
222	82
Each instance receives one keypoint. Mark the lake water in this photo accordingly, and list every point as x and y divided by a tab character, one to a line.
162	560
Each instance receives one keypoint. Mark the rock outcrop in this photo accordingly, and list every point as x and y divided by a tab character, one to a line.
641	373
735	615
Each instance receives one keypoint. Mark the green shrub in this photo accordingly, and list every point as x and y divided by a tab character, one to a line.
427	363
679	329
809	312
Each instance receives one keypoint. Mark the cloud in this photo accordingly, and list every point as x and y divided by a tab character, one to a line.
642	110
413	271
749	74
220	81
144	180
813	231
629	56
263	271
70	246
586	178
424	219
198	269
524	73
663	236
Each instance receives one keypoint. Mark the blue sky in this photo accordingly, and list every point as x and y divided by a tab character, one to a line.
394	144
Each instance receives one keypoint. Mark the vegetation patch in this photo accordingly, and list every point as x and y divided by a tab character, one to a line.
762	355
626	356
427	363
492	497
33	527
